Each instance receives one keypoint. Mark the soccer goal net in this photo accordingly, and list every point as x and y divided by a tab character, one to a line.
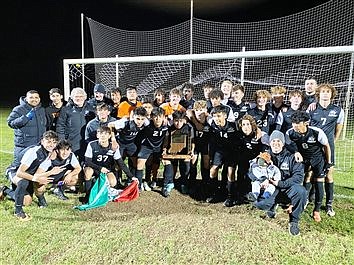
284	51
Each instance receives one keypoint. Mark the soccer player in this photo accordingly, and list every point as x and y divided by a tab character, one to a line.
330	118
174	103
238	106
151	146
26	179
206	90
188	100
148	104
283	122
198	118
309	95
226	88
53	110
277	104
262	114
180	127
289	188
310	146
126	107
222	145
28	121
216	98
127	133
116	97
64	158
99	96
250	141
100	158
159	97
102	119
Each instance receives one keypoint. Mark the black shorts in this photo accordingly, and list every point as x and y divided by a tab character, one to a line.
223	157
146	151
202	148
127	149
317	166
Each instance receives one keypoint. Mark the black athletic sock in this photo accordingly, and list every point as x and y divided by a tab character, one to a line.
318	195
307	186
168	174
184	170
88	186
231	189
139	175
20	194
329	187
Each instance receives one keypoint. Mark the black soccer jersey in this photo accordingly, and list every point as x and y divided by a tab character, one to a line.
201	136
222	137
310	144
249	146
284	122
127	131
33	157
327	119
101	156
240	109
264	119
153	136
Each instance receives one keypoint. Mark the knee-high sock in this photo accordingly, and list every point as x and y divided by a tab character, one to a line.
20	194
168	174
88	186
231	189
185	170
139	175
318	195
329	193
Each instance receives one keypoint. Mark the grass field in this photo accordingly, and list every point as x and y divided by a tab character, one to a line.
177	230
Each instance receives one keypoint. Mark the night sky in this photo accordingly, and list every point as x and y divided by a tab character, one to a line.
37	35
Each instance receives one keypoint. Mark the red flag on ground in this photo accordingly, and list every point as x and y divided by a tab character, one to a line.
130	193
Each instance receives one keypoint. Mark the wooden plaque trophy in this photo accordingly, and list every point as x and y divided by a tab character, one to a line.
180	147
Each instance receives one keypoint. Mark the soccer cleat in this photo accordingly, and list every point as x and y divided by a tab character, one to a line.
294	229
316	216
22	216
330	211
60	194
229	202
2	193
42	203
146	186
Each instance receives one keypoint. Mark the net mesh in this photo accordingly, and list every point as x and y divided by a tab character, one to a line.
329	24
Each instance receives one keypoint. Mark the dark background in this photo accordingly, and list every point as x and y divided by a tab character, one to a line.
37	35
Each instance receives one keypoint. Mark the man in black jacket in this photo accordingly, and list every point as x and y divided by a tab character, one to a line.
289	189
28	121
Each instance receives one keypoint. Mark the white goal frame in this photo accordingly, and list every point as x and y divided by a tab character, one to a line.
219	56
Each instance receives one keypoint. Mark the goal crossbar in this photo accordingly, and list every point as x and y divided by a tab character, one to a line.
204	56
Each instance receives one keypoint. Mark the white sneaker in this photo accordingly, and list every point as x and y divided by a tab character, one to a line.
330	211
146	186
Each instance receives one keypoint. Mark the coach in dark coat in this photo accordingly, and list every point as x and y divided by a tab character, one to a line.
28	121
73	119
